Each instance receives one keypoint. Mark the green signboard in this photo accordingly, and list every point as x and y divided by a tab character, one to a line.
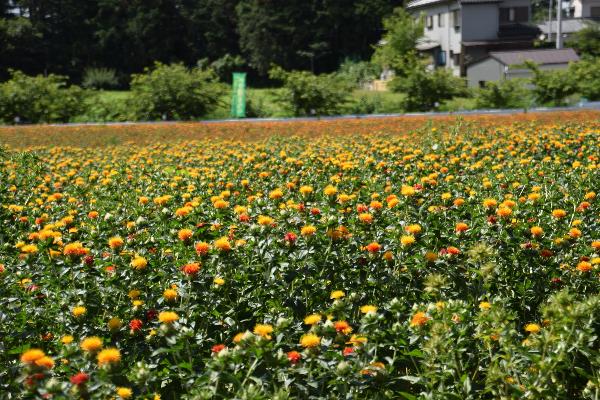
238	96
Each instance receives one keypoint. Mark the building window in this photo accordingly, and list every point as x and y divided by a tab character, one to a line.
456	19
429	22
482	84
455	58
514	14
440	20
441	58
595	12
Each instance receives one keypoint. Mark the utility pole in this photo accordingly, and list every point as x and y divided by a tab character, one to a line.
559	44
550	22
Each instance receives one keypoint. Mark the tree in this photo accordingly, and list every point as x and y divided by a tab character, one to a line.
173	92
552	87
509	93
397	48
586	74
587	40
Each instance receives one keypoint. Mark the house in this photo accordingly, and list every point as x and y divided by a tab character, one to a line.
580	14
462	32
585	9
500	65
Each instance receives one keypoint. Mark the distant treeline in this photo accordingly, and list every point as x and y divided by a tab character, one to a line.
69	36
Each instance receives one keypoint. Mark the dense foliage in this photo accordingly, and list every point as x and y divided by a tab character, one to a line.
511	93
38	99
308	94
457	259
68	36
174	92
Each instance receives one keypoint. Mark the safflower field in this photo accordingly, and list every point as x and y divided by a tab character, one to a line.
396	258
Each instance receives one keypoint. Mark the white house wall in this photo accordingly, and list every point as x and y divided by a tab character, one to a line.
446	36
582	9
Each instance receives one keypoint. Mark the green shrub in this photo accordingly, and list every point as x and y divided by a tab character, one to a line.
174	92
587	77
308	94
100	78
425	90
552	87
510	93
39	99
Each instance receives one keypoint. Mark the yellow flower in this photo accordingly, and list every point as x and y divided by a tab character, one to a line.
537	231
108	356
139	263
484	305
114	324
489	203
559	213
168	317
264	220
407	191
308	230
310	340
223	244
67	339
219	281
312	319
91	344
419	319
574	233
532	328
124	392
366	218
263	330
337	294
78	311
306	190
407	240
170	294
31	356
45	362
368	309
330	190
185	234
115	242
413	229
29	249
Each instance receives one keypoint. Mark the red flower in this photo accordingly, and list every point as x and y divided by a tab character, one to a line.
301	207
315	211
191	269
80	378
492	219
217	348
418	186
348	350
110	269
294	356
452	250
88	260
135	325
362	208
290	237
244	218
